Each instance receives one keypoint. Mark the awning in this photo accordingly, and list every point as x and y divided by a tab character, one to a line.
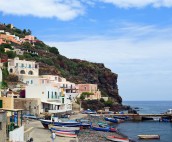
52	103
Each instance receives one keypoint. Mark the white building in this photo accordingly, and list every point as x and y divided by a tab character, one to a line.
23	67
53	99
70	89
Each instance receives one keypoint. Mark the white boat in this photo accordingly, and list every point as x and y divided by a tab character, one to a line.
117	139
169	111
64	128
149	136
65	135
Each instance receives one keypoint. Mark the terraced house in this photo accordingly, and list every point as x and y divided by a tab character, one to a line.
23	68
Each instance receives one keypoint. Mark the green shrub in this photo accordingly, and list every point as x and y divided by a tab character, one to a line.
11	54
54	50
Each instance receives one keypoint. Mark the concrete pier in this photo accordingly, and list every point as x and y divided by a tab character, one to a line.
138	117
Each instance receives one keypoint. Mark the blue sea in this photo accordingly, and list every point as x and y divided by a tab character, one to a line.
164	129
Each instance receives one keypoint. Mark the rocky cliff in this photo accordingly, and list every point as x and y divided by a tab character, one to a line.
75	70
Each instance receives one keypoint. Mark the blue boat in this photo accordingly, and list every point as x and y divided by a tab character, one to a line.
121	117
105	129
45	123
164	120
114	120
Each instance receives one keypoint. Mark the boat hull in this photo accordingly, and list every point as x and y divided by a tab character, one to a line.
106	129
64	128
66	135
148	136
114	120
117	139
45	123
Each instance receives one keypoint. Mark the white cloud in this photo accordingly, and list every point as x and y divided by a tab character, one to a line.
61	9
139	3
144	66
68	9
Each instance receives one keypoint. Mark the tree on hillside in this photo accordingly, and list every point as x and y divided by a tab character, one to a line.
54	50
27	45
87	94
11	54
5	45
29	32
24	31
2	50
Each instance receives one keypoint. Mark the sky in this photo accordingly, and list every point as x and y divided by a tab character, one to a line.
131	37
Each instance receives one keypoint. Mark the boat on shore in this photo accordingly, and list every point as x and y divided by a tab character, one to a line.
149	136
64	128
65	135
121	117
105	129
117	139
45	123
114	120
64	132
102	124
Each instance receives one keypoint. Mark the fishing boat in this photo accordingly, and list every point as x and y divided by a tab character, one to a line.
121	117
149	136
165	120
114	120
64	132
117	139
65	135
45	123
105	129
64	128
102	124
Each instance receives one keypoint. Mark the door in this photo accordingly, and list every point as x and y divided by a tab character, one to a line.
63	100
1	104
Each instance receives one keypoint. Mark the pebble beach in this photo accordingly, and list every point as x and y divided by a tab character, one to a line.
88	135
39	134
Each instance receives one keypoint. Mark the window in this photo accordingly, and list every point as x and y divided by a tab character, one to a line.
52	95
11	70
56	95
42	81
48	94
16	64
22	65
29	65
55	78
22	72
31	82
85	88
30	73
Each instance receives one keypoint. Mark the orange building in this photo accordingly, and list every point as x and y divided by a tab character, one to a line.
9	38
91	88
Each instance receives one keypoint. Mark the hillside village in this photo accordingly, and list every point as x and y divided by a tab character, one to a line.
31	85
